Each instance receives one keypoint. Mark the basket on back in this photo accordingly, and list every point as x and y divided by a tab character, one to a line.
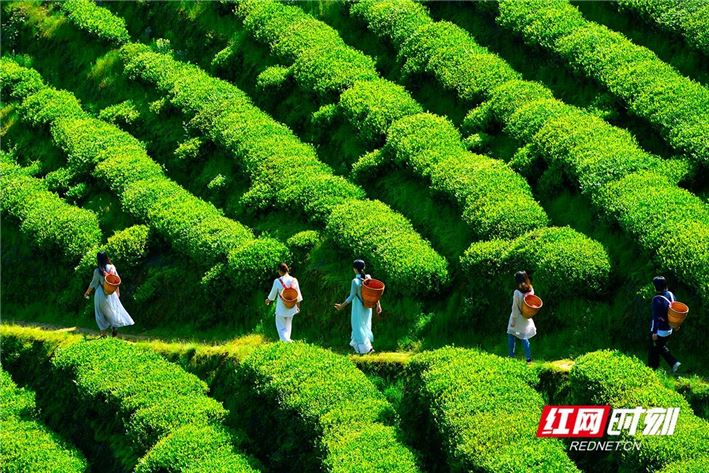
111	283
531	306
289	295
676	313
372	290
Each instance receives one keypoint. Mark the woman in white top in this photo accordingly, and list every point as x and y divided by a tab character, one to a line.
108	310
519	326
284	315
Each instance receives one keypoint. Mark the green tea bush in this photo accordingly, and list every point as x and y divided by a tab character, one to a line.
696	391
25	443
97	20
299	395
696	465
609	377
371	106
194	449
47	219
126	248
689	18
561	261
589	150
380	232
496	201
192	225
129	396
651	89
286	173
480	412
679	240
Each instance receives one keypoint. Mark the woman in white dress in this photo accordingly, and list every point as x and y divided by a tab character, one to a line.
519	326
108	310
284	315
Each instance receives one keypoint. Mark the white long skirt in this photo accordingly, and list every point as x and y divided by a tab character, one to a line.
109	311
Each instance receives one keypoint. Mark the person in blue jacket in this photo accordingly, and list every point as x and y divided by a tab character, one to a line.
660	329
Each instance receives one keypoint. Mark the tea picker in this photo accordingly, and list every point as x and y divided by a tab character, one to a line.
667	315
286	292
365	295
524	306
108	310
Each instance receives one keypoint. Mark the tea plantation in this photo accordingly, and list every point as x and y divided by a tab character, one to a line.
446	144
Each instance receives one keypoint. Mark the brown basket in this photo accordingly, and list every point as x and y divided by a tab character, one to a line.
676	314
111	283
372	290
289	296
531	306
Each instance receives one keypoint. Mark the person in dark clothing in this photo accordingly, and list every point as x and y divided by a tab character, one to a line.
660	329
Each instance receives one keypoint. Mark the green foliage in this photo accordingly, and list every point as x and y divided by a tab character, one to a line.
25	443
589	150
188	150
144	398
124	113
126	248
481	411
609	377
679	240
382	233
318	398
696	391
194	449
52	223
372	106
696	465
368	165
97	20
650	88
322	62
496	201
192	225
561	261
273	77
690	18
286	172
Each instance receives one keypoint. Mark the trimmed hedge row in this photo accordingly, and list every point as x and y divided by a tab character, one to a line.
636	200
286	172
193	226
495	200
98	21
590	150
318	398
609	377
689	18
132	399
127	248
482	411
305	408
651	88
25	443
562	261
44	216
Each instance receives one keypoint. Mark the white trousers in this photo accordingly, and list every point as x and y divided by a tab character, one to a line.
284	325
